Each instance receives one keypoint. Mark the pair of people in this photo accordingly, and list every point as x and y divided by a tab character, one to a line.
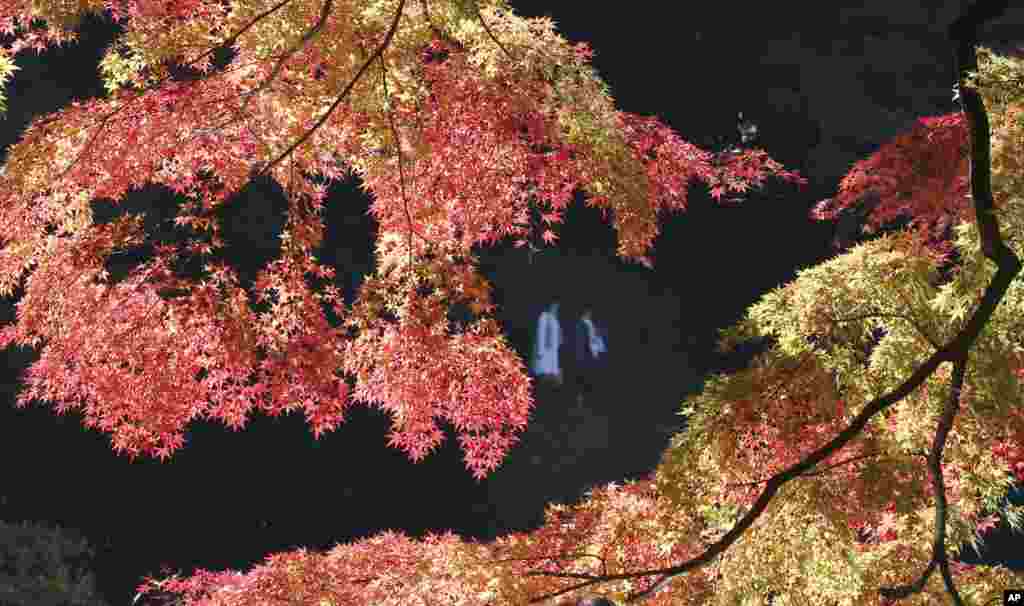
591	340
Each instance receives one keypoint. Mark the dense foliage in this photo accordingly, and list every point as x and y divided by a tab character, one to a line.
830	470
457	122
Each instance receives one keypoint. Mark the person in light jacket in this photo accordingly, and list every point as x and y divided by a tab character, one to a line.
591	351
548	341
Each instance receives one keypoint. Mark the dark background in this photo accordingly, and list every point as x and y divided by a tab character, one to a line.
825	88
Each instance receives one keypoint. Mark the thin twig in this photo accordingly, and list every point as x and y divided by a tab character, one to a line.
398	151
487	29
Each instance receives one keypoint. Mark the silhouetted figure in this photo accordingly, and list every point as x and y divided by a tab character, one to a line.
747	130
591	351
548	341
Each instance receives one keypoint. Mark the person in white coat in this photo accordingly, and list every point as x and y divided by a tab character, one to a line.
548	342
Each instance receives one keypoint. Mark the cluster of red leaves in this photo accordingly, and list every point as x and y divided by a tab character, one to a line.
20	19
632	527
1012	454
921	174
798	413
671	164
387	567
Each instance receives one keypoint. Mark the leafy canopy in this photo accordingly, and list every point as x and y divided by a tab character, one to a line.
459	117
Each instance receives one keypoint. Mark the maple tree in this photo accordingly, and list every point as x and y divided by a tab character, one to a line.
460	118
457	123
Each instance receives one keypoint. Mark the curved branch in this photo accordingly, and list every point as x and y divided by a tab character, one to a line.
540	73
320	122
487	29
233	37
939	557
964	34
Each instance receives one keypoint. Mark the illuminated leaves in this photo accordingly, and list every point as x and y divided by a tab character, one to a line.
461	121
455	151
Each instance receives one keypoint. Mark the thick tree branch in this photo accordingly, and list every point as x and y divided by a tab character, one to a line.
963	32
963	35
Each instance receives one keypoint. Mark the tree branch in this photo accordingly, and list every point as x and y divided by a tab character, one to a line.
401	171
963	33
343	94
487	29
939	488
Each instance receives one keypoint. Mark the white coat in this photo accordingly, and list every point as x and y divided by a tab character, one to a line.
549	340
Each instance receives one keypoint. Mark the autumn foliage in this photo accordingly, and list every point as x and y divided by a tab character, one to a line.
454	151
460	118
